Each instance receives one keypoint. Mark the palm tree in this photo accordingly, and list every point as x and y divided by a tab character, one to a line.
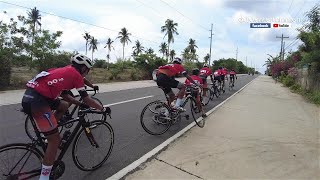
124	38
163	49
34	20
87	37
150	51
172	54
170	28
109	46
137	49
192	48
206	58
93	45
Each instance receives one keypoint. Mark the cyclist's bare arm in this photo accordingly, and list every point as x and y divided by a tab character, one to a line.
211	79
87	82
90	102
70	99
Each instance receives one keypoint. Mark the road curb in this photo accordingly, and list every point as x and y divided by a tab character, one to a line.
123	172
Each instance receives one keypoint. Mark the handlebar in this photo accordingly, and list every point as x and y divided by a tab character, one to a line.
93	111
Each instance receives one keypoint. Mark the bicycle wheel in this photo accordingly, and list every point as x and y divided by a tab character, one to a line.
89	157
20	161
196	112
155	118
206	99
29	128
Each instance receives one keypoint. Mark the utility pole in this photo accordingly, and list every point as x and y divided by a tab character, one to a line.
237	54
246	62
281	51
210	43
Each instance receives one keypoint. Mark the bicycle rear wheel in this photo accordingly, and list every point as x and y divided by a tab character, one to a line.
29	128
20	161
88	156
155	118
197	111
206	99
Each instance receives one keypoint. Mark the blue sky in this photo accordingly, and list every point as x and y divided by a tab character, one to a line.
143	18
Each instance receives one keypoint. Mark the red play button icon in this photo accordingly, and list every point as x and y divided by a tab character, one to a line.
275	25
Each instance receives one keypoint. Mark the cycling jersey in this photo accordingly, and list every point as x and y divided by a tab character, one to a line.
232	73
224	71
195	78
205	71
217	73
51	83
171	70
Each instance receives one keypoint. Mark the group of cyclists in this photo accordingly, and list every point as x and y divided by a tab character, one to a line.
43	91
166	80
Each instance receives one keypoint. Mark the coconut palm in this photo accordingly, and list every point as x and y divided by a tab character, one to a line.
163	49
93	43
138	48
206	58
87	37
109	47
34	18
149	51
192	46
170	28
124	38
172	54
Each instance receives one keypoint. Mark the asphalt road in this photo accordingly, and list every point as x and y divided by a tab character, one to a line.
131	141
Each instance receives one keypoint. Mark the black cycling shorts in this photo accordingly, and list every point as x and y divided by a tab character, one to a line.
222	77
204	78
231	76
217	78
33	100
166	82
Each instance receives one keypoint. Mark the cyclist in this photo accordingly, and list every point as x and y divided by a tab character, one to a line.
217	75
166	79
41	97
204	73
196	78
223	77
233	75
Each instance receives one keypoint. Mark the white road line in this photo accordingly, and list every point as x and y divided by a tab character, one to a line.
121	102
120	174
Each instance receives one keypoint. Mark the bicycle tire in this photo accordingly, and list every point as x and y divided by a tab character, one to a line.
200	122
25	170
29	129
158	118
206	100
89	155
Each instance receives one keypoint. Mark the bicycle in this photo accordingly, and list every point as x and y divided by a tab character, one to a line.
66	117
23	167
231	84
164	115
215	89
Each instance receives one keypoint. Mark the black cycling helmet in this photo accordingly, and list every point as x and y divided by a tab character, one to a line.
195	71
220	67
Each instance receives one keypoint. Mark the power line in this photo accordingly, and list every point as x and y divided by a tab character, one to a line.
184	15
290	6
63	17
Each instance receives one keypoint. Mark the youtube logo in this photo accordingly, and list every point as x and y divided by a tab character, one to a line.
275	25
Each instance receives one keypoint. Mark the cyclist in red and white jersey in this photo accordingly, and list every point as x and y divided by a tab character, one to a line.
166	79
204	73
223	77
233	75
41	97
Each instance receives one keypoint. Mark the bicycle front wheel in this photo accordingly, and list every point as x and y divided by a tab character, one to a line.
89	156
20	161
197	111
155	118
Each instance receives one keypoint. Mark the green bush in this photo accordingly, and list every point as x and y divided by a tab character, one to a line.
288	81
296	88
5	69
314	97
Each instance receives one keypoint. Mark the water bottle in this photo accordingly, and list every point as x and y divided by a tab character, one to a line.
65	138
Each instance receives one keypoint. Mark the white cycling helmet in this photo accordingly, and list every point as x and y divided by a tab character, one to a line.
81	59
177	60
205	65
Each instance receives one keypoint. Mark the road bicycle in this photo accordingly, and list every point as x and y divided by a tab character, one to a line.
92	145
215	89
231	84
66	117
158	116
